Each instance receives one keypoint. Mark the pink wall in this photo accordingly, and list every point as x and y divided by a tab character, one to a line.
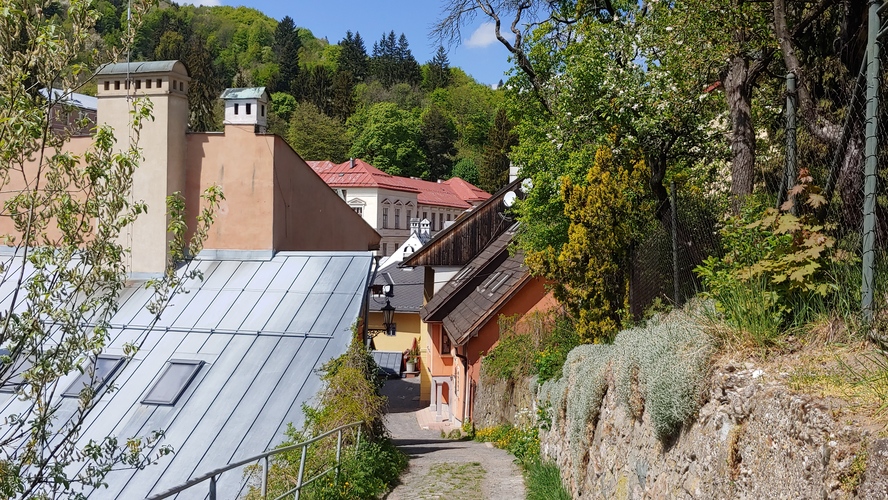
273	200
308	215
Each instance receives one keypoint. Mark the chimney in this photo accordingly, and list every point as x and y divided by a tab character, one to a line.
414	226
161	140
351	163
424	227
246	107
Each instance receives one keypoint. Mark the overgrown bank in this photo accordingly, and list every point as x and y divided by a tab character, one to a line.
663	413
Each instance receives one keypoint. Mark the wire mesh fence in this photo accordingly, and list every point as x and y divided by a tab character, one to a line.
824	164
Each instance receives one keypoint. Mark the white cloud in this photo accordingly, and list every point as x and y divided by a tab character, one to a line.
208	3
483	36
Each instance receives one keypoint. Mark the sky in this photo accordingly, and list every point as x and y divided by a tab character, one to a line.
479	54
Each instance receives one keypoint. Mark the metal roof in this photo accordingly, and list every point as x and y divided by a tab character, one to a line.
389	362
142	67
81	101
244	93
261	328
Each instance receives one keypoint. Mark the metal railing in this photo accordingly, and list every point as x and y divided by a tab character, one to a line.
213	474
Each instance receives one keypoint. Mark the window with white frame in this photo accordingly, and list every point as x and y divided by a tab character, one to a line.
385	217
397	218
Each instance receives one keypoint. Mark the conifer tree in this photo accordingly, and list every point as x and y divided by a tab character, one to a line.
439	70
437	135
286	50
493	172
353	58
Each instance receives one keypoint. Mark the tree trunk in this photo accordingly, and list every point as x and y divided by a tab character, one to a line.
738	91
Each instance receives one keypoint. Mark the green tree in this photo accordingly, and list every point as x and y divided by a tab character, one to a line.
316	136
342	96
203	91
466	170
438	70
390	139
286	50
68	212
384	60
493	172
353	58
438	135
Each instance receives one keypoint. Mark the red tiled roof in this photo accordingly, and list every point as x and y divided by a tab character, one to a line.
451	193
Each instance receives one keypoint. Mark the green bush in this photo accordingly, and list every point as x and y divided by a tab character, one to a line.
540	351
523	442
350	394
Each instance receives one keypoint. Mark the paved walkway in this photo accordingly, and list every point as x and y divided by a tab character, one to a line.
444	468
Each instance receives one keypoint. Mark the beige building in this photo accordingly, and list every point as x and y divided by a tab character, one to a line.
273	199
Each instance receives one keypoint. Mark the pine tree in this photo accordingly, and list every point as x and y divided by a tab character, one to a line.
204	87
439	70
438	135
493	172
384	63
343	104
408	70
353	57
317	88
286	50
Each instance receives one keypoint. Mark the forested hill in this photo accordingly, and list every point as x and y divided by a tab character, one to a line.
357	96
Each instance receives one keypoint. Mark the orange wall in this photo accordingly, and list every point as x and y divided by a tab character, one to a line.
532	297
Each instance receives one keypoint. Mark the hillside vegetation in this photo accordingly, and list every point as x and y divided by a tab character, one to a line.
354	97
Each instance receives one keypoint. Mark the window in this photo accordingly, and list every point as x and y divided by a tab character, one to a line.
448	217
425	215
116	84
147	83
408	217
138	84
173	86
445	343
173	382
359	210
182	87
236	108
126	84
441	221
105	367
385	249
107	85
397	218
385	217
159	83
262	109
249	108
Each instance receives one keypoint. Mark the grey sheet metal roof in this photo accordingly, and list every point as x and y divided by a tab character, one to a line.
389	362
142	67
408	284
244	93
262	328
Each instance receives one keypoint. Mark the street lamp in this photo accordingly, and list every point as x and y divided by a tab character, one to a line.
388	312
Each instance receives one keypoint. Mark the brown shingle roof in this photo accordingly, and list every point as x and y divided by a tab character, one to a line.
475	294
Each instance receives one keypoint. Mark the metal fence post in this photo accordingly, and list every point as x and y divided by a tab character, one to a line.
338	452
871	166
264	478
213	488
675	282
789	172
301	471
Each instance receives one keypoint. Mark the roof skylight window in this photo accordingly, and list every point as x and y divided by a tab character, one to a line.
172	383
105	368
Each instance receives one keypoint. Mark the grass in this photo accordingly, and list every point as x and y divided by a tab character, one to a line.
542	481
452	480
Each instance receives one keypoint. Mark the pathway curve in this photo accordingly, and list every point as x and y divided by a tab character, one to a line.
445	468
